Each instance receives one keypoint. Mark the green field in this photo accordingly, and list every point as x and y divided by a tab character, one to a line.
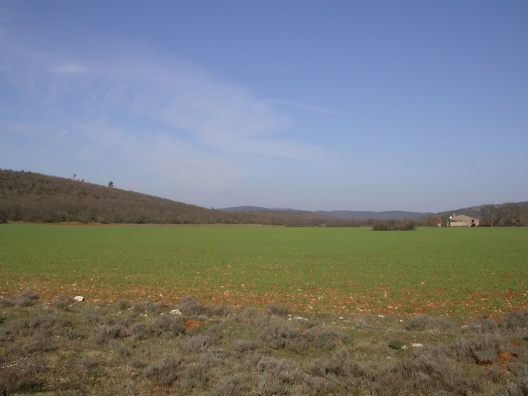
466	271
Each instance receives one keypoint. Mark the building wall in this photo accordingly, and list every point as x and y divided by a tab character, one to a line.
463	221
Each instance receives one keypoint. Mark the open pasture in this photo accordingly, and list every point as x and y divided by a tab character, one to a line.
467	272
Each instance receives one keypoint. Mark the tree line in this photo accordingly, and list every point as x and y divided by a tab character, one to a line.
505	215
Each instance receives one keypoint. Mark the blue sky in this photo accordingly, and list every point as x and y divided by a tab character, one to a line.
358	105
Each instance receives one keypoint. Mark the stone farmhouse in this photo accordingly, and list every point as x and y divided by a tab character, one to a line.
462	221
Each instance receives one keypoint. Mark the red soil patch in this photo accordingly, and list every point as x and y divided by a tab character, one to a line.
192	324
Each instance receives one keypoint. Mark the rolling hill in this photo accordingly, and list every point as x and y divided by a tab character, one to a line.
34	197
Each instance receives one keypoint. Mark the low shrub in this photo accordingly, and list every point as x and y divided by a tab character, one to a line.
515	321
393	225
167	326
44	326
166	370
396	344
196	344
278	333
49	321
515	388
120	348
326	339
495	374
93	315
426	372
10	379
7	301
315	386
17	380
234	385
485	325
138	308
194	376
123	304
155	308
519	369
251	316
27	299
242	346
284	370
41	342
483	349
214	357
269	385
424	322
190	307
109	332
94	366
277	310
218	310
342	363
64	302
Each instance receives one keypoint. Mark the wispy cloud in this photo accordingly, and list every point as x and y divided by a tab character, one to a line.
216	114
316	109
70	68
172	96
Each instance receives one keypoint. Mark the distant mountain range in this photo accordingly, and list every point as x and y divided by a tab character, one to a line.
340	214
364	215
473	211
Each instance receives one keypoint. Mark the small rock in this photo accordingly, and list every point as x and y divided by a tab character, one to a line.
299	318
78	298
417	345
176	312
381	316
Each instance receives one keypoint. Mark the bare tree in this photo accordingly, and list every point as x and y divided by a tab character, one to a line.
505	215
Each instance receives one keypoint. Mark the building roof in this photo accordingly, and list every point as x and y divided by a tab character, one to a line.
462	218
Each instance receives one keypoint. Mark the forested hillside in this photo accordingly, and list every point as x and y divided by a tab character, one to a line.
33	197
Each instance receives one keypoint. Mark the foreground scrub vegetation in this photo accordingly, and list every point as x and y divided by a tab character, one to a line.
73	348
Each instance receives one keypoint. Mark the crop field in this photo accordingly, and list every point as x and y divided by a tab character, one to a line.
470	272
